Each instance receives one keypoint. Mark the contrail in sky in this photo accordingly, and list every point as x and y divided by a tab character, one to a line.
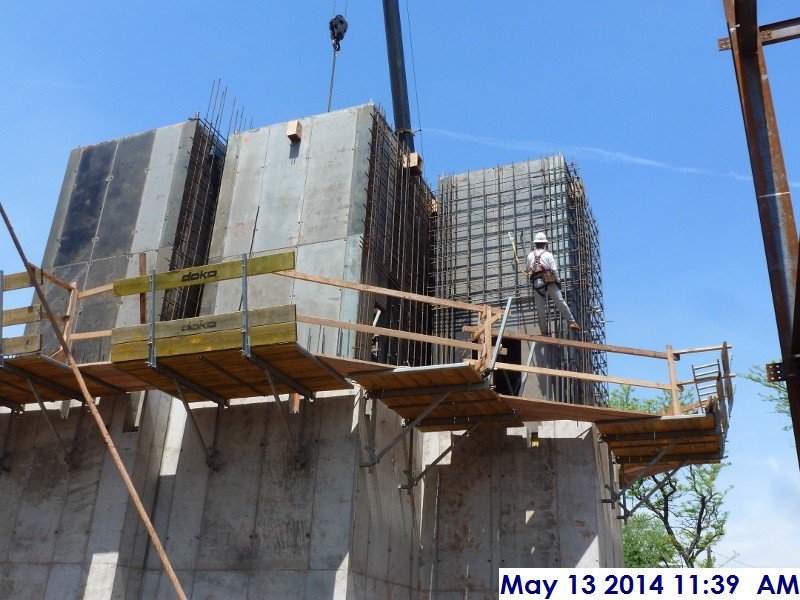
587	151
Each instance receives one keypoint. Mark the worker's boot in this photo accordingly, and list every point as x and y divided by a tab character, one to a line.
574	325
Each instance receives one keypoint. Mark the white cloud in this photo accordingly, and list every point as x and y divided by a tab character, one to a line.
543	147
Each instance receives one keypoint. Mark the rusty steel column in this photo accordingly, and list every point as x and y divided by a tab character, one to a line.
778	226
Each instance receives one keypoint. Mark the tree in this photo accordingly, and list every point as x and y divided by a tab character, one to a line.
775	393
683	518
645	543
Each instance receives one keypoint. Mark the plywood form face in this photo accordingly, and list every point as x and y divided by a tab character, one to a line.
122	199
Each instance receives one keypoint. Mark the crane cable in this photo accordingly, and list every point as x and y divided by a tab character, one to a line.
337	27
414	72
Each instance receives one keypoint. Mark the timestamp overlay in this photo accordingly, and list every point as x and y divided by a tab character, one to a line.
559	584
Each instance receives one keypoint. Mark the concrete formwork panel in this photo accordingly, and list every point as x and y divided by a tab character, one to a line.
281	195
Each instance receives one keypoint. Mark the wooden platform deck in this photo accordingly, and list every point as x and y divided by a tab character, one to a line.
410	390
229	375
54	381
683	439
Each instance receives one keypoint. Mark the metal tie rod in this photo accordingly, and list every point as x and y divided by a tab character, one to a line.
210	456
375	458
412	482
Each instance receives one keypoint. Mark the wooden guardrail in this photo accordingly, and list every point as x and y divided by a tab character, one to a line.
204	334
25	344
674	386
259	265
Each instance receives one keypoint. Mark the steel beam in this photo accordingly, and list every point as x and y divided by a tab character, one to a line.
375	458
657	435
467	420
188	383
782	31
325	367
651	465
626	512
773	198
116	390
271	371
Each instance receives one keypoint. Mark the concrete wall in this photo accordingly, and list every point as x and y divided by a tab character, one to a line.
63	530
503	502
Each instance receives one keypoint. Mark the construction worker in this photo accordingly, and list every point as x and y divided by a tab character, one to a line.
542	270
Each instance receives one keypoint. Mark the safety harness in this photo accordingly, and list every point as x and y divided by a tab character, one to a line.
541	275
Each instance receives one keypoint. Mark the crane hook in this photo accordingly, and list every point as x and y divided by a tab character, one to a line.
338	27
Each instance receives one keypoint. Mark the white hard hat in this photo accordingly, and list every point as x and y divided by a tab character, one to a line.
540	238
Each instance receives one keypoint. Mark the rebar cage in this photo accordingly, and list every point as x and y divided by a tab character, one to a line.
396	243
479	213
196	217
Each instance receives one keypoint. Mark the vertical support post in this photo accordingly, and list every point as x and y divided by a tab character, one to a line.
500	334
409	470
301	436
675	396
373	425
612	487
215	436
78	427
69	319
245	312
142	296
151	343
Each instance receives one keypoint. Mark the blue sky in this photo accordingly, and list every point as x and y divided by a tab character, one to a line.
635	93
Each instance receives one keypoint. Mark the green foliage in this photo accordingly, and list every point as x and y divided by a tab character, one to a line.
775	393
622	397
683	516
645	543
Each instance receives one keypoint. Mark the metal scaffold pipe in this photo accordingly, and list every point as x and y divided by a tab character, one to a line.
96	414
